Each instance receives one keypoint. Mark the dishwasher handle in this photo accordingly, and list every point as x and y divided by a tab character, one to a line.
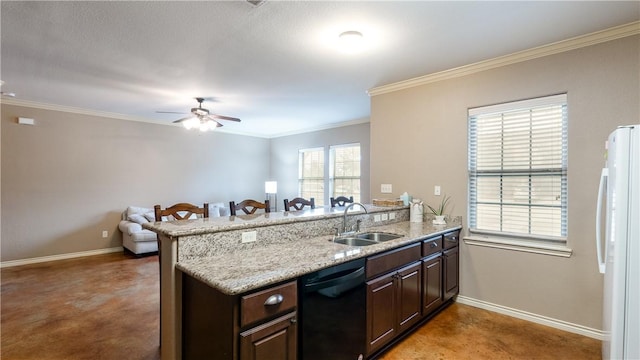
317	285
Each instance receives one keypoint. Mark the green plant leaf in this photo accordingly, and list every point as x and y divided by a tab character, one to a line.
441	208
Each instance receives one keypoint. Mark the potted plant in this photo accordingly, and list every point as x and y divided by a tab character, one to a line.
439	211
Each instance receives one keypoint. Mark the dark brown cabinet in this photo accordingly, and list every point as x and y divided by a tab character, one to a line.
273	340
254	326
381	319
393	305
393	299
432	290
451	257
409	291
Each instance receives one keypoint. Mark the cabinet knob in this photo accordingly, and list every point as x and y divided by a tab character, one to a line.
293	320
274	299
434	244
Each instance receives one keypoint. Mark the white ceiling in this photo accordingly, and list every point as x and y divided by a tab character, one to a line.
275	66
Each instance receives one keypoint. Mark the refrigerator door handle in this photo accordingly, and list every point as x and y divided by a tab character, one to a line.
601	191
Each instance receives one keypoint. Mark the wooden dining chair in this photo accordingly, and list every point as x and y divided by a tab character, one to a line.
341	201
248	206
180	211
299	203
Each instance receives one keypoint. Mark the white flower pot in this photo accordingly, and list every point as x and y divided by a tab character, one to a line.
439	220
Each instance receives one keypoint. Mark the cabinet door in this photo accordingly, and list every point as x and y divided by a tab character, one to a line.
409	282
451	258
275	340
381	310
432	284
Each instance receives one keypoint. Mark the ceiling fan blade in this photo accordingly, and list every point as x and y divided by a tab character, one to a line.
221	117
171	112
183	119
211	118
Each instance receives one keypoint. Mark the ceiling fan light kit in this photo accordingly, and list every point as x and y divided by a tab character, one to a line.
200	123
202	119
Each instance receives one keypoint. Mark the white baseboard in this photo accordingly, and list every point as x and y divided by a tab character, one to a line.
11	263
535	318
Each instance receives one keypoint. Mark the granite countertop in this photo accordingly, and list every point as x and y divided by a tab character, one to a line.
226	223
244	271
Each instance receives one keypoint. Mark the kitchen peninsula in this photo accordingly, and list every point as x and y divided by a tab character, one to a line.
215	253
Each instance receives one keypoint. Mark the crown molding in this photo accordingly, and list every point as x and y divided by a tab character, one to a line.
76	110
598	37
81	111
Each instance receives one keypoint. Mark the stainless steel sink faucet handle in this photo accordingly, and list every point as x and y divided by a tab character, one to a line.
344	220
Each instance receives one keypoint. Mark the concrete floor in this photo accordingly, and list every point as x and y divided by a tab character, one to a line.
106	307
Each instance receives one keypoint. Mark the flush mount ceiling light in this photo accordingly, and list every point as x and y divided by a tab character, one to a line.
351	41
351	37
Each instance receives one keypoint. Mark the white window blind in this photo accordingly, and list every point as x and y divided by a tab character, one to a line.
345	171
311	174
518	168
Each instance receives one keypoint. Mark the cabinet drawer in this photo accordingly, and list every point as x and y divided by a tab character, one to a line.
431	246
380	264
266	303
451	239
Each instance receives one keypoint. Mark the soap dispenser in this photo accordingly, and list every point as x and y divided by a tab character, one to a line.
406	198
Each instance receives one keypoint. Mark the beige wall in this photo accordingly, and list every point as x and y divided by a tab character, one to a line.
284	157
69	177
418	140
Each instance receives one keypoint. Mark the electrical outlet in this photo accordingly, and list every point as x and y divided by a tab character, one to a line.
385	217
105	233
392	216
376	217
436	190
249	236
386	188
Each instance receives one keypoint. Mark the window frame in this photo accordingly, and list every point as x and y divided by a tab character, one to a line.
319	201
333	177
553	245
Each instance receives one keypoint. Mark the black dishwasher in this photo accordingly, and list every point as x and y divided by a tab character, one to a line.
333	307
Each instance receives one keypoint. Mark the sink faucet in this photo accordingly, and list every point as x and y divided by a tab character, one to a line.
356	226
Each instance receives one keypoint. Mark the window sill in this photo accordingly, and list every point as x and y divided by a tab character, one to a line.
518	245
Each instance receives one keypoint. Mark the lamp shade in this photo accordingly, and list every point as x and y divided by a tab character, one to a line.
271	187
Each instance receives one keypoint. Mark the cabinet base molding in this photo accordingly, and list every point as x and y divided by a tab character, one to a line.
535	318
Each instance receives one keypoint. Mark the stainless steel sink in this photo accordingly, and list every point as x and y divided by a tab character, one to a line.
378	236
354	241
366	239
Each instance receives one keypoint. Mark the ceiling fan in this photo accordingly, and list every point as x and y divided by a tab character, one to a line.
201	118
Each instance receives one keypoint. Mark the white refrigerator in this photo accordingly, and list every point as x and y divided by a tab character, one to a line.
618	244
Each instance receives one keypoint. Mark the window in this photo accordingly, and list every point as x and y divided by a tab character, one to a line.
311	174
344	172
518	169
